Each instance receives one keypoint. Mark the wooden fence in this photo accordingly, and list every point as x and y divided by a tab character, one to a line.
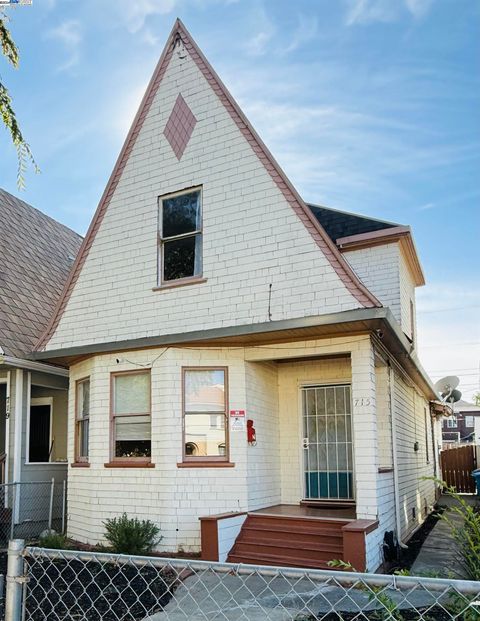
457	466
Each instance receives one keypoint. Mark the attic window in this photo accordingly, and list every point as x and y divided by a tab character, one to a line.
180	237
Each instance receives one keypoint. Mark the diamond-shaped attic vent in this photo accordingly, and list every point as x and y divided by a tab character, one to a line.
179	127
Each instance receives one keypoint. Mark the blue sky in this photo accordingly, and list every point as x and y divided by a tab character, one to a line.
369	105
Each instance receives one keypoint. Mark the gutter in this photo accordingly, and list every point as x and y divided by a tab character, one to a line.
32	365
378	320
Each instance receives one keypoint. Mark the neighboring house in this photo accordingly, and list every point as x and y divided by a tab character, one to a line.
36	254
461	427
207	293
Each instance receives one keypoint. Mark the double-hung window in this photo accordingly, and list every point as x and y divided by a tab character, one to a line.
205	414
82	419
180	237
131	421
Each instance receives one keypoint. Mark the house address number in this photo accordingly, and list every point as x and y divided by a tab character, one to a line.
362	402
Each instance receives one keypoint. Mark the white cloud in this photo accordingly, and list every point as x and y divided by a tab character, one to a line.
69	34
368	11
265	30
134	14
418	8
305	32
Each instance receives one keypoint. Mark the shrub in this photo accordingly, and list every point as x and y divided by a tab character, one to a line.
131	535
53	540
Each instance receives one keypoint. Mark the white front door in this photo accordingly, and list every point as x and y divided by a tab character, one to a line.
327	442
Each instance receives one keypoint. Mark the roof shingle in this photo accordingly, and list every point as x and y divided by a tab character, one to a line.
36	254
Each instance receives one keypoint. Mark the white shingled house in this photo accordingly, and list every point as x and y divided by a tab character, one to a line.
243	365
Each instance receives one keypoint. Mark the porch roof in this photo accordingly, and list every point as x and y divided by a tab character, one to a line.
379	321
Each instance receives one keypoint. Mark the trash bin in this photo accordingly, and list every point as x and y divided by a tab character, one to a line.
476	476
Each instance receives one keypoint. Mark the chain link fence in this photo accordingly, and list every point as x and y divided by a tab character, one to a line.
29	508
57	585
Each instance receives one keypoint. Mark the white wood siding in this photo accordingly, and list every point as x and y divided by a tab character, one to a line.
252	237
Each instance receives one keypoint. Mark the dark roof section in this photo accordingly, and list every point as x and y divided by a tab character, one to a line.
36	254
343	224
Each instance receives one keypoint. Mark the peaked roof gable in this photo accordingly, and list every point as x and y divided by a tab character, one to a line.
180	36
36	253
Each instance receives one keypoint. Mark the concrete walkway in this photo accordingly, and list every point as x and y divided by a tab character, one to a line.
439	551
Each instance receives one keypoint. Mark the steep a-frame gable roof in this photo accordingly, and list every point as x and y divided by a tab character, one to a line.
180	36
36	254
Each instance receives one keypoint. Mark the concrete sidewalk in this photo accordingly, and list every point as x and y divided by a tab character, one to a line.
439	551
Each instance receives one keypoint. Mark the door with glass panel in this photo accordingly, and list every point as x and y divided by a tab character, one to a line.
327	442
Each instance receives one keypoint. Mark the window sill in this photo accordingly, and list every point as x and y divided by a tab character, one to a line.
385	470
182	282
80	464
205	464
129	464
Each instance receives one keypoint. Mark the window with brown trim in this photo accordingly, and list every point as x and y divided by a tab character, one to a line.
205	405
131	416
82	419
180	237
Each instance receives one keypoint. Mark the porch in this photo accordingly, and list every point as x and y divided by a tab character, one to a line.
287	536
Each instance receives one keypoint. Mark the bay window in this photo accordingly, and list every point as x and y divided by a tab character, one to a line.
205	414
131	416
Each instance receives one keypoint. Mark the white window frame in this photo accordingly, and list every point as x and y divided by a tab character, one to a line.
452	422
469	421
161	282
33	402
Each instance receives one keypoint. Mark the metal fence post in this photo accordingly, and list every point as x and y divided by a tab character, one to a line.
50	509
64	506
14	510
14	594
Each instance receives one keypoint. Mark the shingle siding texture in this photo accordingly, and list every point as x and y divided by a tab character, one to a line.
36	254
252	237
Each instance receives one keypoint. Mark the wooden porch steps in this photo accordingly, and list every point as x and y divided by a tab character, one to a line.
288	541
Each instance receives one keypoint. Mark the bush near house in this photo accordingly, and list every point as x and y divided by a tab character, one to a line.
131	535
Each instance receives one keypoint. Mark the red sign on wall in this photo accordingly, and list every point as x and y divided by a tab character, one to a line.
237	413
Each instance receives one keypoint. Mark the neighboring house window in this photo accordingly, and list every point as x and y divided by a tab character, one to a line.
180	236
205	414
131	422
451	422
40	442
469	421
82	420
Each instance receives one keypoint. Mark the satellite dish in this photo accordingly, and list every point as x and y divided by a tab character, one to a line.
445	385
454	396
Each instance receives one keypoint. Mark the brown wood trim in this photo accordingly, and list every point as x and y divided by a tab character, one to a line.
205	464
328	504
354	544
130	460
361	526
222	516
129	464
183	282
77	458
209	539
385	470
80	464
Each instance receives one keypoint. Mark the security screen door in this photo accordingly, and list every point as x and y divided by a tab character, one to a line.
327	442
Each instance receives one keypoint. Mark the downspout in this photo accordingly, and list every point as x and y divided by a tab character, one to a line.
7	431
398	521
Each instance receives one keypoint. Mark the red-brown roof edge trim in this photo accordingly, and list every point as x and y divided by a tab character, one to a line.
339	264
